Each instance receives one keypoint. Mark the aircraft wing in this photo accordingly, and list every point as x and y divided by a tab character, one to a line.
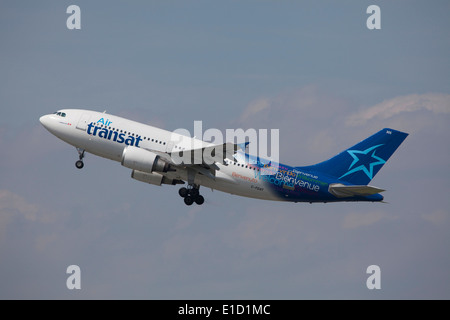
202	160
207	156
343	191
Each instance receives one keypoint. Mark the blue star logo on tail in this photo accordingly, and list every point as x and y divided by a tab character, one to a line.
367	160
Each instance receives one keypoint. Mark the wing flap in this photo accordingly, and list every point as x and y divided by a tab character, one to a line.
206	156
209	155
202	160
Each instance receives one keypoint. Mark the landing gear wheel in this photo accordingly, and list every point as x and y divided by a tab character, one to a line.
199	200
183	192
79	164
194	193
188	200
191	194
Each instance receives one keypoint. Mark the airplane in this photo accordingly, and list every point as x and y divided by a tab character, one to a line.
151	152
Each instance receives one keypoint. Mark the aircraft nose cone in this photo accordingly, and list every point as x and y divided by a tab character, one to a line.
45	121
42	120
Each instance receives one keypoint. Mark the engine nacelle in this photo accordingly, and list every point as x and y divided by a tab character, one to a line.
153	178
143	160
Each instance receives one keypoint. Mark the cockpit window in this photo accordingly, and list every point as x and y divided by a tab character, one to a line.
61	114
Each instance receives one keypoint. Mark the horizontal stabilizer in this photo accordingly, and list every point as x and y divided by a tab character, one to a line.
343	191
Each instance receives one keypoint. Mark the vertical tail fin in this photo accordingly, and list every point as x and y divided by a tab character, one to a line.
360	163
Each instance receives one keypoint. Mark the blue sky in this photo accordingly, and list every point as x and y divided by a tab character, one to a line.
310	69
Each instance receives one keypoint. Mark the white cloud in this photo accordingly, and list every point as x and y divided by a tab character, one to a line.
294	107
12	204
254	108
179	246
15	207
306	117
26	145
437	103
362	219
321	124
437	217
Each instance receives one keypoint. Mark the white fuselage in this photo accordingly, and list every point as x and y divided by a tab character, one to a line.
106	136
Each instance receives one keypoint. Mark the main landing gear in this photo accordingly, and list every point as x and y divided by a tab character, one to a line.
191	195
79	164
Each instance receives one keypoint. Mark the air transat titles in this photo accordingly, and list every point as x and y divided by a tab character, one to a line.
113	135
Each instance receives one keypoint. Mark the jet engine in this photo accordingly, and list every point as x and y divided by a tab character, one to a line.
143	160
154	178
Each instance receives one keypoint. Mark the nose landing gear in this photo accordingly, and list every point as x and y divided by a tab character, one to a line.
191	194
79	164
